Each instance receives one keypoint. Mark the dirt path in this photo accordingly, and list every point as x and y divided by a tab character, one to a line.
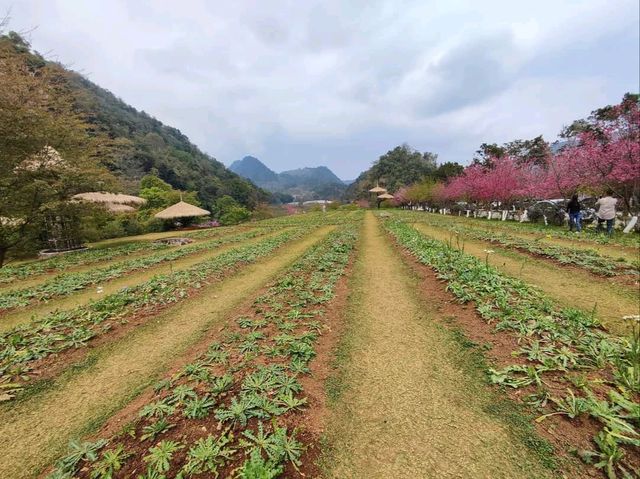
408	410
26	314
37	430
613	251
570	287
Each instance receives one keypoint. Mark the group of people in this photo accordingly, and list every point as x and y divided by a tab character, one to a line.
606	212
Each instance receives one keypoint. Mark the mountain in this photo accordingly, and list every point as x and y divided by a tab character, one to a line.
133	143
253	169
302	183
317	175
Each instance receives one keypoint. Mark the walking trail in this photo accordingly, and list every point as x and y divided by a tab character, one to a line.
38	429
409	410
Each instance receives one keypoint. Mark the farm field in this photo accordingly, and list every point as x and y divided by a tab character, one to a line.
347	344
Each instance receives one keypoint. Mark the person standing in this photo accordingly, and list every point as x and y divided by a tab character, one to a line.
575	216
607	210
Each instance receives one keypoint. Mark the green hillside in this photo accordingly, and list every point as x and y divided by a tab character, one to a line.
133	143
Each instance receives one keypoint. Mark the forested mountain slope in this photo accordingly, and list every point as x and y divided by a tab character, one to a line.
133	143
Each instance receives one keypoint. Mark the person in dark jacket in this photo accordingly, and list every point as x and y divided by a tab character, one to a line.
575	215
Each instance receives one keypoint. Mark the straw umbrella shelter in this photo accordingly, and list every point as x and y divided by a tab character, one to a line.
384	196
377	189
114	202
181	210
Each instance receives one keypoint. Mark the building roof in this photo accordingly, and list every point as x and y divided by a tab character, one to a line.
181	210
378	189
385	196
113	198
48	158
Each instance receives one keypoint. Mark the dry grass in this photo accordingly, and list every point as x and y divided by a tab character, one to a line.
37	430
408	409
612	250
574	288
26	314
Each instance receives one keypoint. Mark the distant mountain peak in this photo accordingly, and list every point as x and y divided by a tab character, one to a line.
253	169
308	182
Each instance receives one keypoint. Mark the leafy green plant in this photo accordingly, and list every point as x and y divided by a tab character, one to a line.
209	454
256	467
159	457
77	452
198	408
110	463
158	427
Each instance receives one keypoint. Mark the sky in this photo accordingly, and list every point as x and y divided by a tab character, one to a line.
339	83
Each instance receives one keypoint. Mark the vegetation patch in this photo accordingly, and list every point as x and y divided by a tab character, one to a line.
566	363
231	412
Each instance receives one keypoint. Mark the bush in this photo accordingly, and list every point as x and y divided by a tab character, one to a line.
234	215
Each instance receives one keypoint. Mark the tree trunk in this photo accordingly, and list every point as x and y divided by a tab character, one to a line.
3	254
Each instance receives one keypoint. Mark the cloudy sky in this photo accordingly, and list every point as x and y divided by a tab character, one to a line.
338	83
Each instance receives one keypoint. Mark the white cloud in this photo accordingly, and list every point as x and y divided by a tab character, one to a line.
342	76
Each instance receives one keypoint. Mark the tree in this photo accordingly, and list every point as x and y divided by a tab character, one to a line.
401	166
160	194
230	212
46	155
448	171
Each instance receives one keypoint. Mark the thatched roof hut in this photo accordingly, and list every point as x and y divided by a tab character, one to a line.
385	196
181	210
118	208
47	159
113	202
378	189
111	198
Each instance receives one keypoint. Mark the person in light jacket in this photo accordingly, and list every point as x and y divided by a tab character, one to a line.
607	210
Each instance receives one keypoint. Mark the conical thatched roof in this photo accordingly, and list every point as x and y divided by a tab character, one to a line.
378	189
118	208
112	198
181	210
48	158
385	196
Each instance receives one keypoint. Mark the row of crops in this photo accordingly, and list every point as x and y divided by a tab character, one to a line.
14	273
564	363
588	235
588	259
60	330
68	283
233	411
